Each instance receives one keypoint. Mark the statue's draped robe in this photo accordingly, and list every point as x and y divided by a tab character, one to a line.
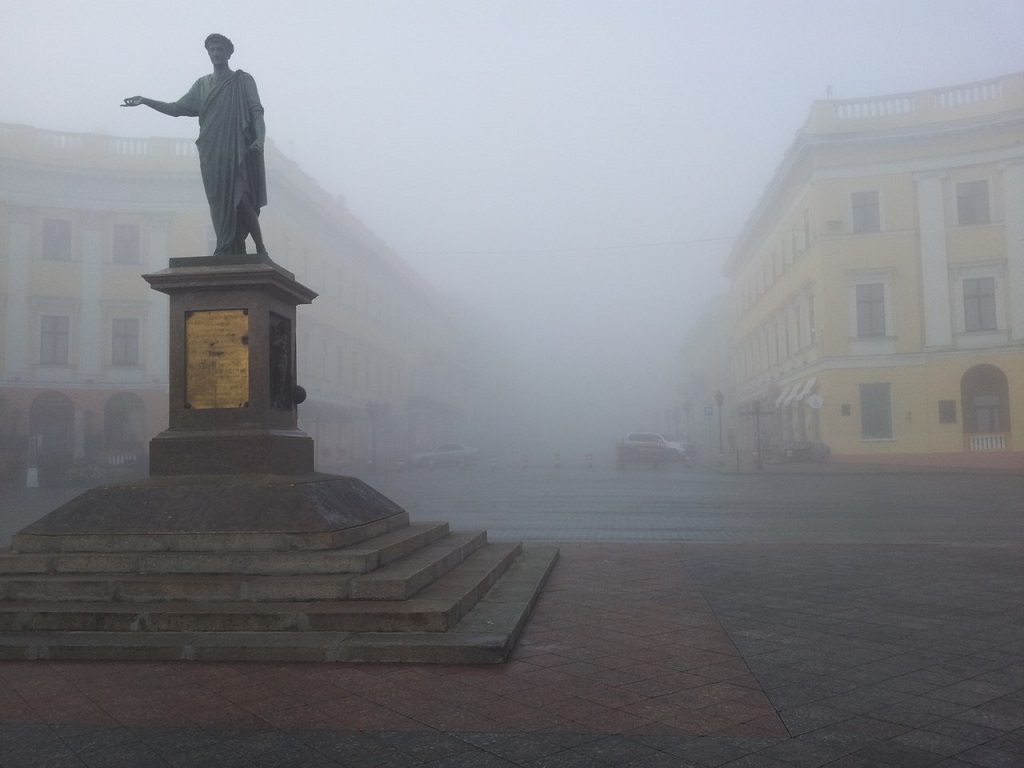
227	110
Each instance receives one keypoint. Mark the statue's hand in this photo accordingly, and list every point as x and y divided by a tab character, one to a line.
132	101
256	146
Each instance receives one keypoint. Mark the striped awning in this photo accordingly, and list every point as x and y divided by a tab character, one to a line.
805	389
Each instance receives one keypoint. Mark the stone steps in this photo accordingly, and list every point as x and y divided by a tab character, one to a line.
435	609
397	580
359	558
486	634
264	567
236	541
403	574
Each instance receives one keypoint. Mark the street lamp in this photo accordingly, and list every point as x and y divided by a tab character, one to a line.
757	413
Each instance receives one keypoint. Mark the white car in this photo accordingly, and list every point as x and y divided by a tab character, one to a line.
448	454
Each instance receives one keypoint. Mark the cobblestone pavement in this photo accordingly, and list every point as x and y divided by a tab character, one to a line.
844	650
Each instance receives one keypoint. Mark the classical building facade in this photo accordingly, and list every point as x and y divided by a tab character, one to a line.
84	358
878	287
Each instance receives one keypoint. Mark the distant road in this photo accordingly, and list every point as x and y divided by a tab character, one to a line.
818	505
602	504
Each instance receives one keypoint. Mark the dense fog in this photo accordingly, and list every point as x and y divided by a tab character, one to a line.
569	174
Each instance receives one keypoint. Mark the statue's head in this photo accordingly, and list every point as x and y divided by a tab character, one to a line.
219	39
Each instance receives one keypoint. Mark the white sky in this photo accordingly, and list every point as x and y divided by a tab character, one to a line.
577	166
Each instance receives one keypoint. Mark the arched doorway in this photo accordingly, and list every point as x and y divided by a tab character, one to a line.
51	424
124	417
985	404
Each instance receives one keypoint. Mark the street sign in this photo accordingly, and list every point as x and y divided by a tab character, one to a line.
709	411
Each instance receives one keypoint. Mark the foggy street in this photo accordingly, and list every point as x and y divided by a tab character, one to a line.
804	615
812	504
797	504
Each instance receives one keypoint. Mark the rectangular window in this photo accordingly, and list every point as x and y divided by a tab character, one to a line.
947	411
57	239
54	332
126	244
124	341
980	304
867	215
871	309
875	412
972	202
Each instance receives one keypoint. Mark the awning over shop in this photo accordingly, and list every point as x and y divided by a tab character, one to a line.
805	388
787	392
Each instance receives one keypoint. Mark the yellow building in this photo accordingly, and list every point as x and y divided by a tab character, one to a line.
83	340
878	287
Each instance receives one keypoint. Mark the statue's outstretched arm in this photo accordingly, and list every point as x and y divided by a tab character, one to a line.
159	106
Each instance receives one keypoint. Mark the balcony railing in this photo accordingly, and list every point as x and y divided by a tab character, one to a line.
996	441
988	97
24	141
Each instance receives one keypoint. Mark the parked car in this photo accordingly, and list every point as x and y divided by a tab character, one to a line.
680	451
644	448
811	451
449	454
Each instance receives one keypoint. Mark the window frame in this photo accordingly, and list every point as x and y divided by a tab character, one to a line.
871	318
54	343
969	198
865	219
878	343
134	253
56	239
984	317
132	353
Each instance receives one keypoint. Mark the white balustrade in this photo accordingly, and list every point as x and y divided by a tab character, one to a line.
993	442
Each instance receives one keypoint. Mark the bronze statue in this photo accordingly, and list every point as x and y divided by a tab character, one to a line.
231	139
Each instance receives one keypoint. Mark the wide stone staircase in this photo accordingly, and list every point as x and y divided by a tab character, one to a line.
387	590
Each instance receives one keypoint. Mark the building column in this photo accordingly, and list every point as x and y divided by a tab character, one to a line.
1013	193
938	324
90	321
17	323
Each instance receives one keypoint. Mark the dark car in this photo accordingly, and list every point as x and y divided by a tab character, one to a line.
805	451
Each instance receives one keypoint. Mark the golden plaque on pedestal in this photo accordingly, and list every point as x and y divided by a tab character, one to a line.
217	358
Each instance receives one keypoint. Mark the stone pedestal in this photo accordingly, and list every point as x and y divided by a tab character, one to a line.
234	548
232	390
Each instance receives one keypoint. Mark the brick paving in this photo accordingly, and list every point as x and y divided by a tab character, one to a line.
690	654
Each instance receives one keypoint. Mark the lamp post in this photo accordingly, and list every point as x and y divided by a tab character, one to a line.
719	399
757	413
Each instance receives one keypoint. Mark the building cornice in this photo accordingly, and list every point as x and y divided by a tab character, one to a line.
1004	110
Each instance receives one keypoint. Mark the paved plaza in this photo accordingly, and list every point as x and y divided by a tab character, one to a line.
698	620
